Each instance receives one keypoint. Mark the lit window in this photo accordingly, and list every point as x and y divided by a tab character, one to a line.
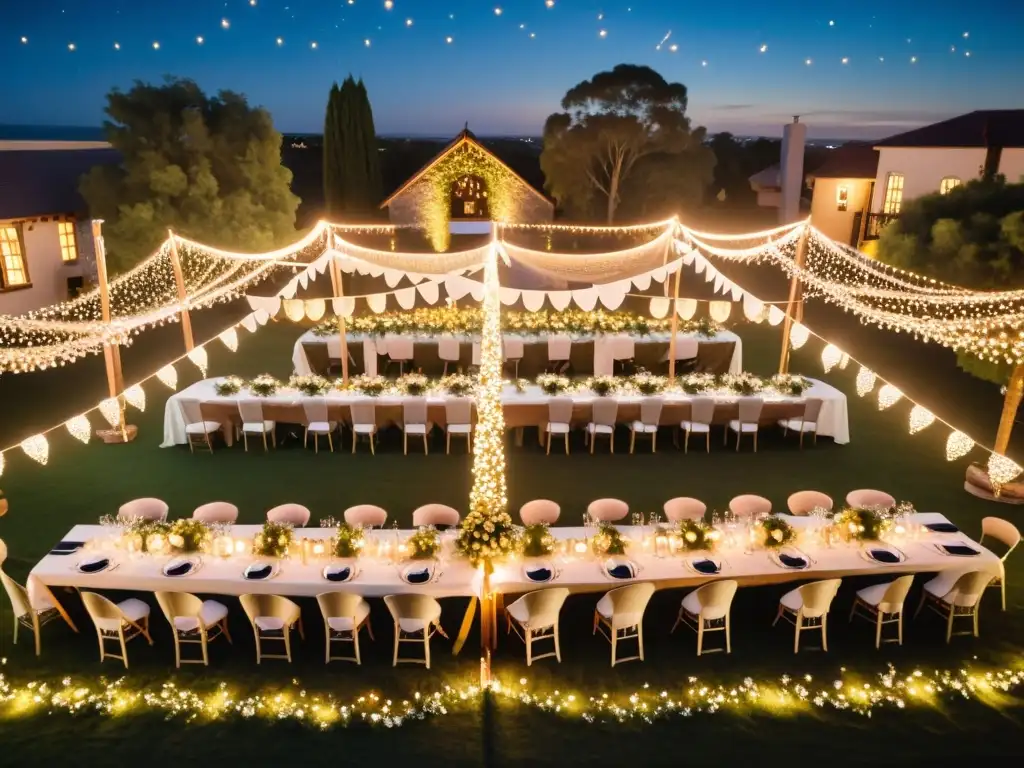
13	262
469	207
68	244
948	184
842	198
893	193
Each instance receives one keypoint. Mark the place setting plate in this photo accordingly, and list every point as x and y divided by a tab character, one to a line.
883	554
791	559
941	528
339	573
958	549
620	568
419	572
260	570
181	566
95	564
540	572
704	565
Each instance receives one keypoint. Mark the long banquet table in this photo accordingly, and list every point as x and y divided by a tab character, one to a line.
521	409
607	347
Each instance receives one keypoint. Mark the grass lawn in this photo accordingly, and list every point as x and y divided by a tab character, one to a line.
83	482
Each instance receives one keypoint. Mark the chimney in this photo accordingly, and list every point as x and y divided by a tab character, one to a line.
791	170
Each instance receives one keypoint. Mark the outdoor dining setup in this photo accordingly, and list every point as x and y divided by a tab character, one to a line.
625	555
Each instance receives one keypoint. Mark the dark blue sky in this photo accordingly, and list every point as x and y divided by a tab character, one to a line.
907	62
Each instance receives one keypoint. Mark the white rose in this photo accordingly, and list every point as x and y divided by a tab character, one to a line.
777	534
691	536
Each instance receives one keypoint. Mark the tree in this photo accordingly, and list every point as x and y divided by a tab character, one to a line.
207	167
374	188
595	149
334	192
352	179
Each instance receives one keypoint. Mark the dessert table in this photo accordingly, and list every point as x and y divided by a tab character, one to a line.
522	409
607	348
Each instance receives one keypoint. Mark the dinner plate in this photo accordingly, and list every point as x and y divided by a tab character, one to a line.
942	528
261	570
339	572
94	564
539	572
705	566
181	566
791	559
958	549
621	568
882	554
418	572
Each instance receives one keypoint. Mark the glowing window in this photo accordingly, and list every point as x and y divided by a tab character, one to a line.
469	207
948	184
893	193
842	198
68	243
11	259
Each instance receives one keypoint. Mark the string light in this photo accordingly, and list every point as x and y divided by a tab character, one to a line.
831	356
844	361
36	448
135	396
200	359
1002	470
79	427
168	376
110	408
798	335
294	309
888	396
2	463
920	418
230	339
958	445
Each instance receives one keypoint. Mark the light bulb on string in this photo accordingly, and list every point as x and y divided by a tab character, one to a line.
2	463
135	396
168	376
230	339
79	427
888	396
111	410
36	448
1001	470
844	361
920	418
958	445
831	355
865	381
200	359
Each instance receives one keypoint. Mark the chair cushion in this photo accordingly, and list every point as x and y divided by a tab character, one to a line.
942	584
134	609
460	429
601	429
793	600
345	623
693	426
210	614
202	427
639	426
322	427
604	607
873	595
519	612
259	427
269	623
556	428
798	425
364	429
415	429
735	426
691	604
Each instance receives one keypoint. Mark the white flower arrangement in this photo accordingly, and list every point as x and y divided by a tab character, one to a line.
647	383
309	385
743	383
602	386
414	384
372	386
696	383
229	385
484	536
458	384
553	383
264	385
789	384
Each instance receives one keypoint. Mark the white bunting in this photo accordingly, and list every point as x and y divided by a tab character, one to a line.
509	296
660	274
229	339
686	308
111	410
642	282
406	297
659	307
249	322
290	289
457	287
613	294
533	300
343	306
199	358
830	357
36	448
775	315
315	309
719	310
753	308
735	290
585	298
269	304
798	335
169	376
294	309
377	302
303	279
476	290
560	299
415	277
428	291
262	316
392	277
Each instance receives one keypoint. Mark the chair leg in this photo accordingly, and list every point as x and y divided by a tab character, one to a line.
330	442
778	616
920	605
654	442
708	440
566	443
245	441
686	442
558	650
38	638
353	441
878	631
373	451
755	442
796	636
949	625
593	439
549	444
824	632
632	441
305	437
679	618
394	662
448	442
612	441
700	634
1002	588
728	635
596	619
426	448
405	443
976	611
899	628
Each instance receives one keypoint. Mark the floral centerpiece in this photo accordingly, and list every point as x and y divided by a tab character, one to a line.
608	540
229	385
485	536
189	535
347	541
789	384
743	383
647	383
775	532
371	386
697	535
424	544
458	384
536	540
602	386
310	386
696	383
553	384
264	385
862	524
139	529
274	540
414	384
521	385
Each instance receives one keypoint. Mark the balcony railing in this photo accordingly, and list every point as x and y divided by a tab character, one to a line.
876	223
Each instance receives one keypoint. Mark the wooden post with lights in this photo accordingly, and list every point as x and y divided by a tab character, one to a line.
1014	393
179	281
674	309
338	289
123	433
795	305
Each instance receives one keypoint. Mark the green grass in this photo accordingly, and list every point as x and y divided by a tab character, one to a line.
82	483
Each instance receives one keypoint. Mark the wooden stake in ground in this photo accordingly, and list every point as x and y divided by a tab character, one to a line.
674	309
338	288
1014	392
795	306
179	281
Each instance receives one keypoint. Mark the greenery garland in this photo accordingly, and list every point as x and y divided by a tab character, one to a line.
536	540
274	540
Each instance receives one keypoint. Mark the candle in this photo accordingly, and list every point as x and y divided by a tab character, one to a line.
581	547
239	547
318	549
661	546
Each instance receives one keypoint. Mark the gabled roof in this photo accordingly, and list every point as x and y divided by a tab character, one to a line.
769	178
983	128
44	182
464	138
850	161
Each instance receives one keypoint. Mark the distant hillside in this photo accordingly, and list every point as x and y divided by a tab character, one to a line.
50	133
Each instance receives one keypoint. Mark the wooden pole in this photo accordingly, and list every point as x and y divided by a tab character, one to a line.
674	309
111	350
1014	392
338	289
795	306
179	281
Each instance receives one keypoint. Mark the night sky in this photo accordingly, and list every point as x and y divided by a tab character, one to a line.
852	70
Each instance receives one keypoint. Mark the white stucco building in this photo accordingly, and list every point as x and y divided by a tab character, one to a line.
46	249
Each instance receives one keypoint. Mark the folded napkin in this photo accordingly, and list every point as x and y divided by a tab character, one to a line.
942	528
341	574
418	577
442	527
623	571
705	566
67	547
884	556
257	574
94	567
962	550
539	574
791	561
179	570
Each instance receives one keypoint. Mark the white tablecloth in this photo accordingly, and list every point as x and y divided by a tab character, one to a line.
378	577
833	421
605	346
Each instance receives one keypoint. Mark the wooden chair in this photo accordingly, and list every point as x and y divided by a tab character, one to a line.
806	607
198	430
417	619
317	423
193	622
647	424
32	614
120	622
253	423
1005	533
559	420
883	604
747	424
344	615
534	617
414	422
458	416
272	618
620	616
955	595
808	422
702	413
604	413
707	609
364	422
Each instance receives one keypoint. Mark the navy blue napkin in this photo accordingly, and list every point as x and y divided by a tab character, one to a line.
942	528
539	574
884	556
179	570
442	527
67	547
257	574
960	549
95	567
792	562
341	574
623	571
418	577
709	567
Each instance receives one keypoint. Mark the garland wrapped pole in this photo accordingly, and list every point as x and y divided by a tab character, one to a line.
111	351
179	282
486	534
675	327
795	306
338	290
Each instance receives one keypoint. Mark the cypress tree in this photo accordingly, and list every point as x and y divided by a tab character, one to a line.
353	162
374	184
333	149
